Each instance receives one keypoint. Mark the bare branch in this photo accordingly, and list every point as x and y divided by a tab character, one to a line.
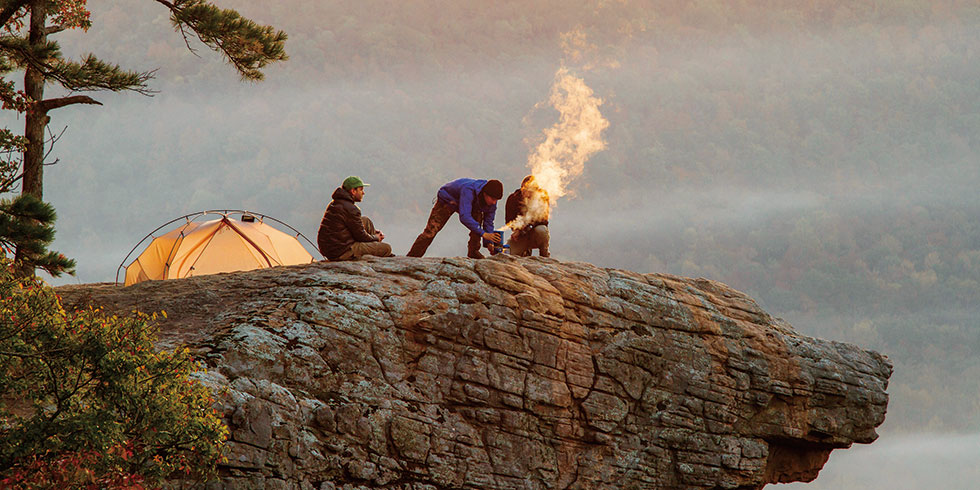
180	27
12	9
8	184
52	139
187	41
50	104
53	30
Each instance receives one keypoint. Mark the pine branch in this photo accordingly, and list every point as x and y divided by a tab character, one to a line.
91	74
248	46
22	53
94	74
27	224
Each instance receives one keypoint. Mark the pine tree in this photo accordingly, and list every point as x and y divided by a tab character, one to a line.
26	223
25	44
27	226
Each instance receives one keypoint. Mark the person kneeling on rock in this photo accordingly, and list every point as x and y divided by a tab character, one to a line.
527	211
345	234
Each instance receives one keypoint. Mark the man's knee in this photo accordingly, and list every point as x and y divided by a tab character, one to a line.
432	228
429	232
368	225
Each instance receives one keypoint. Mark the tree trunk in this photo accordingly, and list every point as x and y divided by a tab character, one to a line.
36	118
35	122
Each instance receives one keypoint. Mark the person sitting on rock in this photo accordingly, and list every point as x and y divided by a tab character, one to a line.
527	212
345	234
476	202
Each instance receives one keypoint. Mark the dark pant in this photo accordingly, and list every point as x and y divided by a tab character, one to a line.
441	212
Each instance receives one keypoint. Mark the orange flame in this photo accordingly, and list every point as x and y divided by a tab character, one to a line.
566	146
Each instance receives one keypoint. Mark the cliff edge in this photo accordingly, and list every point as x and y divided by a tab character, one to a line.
507	373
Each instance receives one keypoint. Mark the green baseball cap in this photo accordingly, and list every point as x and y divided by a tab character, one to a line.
353	182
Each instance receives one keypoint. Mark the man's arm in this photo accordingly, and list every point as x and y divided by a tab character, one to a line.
488	218
356	226
466	197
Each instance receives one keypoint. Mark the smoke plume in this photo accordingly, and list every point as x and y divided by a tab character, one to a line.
564	148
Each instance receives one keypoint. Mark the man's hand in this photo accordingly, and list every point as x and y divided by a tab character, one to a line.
493	237
381	236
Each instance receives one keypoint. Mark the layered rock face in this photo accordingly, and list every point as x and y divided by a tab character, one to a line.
508	373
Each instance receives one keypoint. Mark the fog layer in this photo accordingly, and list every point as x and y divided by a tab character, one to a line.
821	157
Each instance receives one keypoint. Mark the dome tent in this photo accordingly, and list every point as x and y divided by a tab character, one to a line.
224	244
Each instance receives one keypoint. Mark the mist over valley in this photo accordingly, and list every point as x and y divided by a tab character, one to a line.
821	157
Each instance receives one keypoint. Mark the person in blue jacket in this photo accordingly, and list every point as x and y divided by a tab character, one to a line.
476	202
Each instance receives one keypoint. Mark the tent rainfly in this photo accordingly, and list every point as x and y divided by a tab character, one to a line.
219	245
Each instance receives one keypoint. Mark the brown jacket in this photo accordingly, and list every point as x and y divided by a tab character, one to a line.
341	226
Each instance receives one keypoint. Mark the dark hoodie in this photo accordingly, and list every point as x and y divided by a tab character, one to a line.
341	226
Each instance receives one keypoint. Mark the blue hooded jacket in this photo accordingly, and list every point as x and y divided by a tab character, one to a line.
462	195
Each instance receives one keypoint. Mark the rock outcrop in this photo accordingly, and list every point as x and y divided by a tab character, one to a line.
508	373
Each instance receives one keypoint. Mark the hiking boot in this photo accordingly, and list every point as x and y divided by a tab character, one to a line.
475	255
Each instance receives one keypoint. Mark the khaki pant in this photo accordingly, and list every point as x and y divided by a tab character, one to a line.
360	249
538	237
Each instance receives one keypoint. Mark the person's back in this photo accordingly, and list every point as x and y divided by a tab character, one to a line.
451	192
334	237
515	206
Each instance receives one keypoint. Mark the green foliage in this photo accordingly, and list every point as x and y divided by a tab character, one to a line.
11	145
87	400
249	47
26	223
27	227
869	107
95	74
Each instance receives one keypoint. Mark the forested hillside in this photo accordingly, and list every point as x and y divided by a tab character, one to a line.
822	156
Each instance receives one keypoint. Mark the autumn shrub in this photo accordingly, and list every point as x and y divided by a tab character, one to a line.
87	401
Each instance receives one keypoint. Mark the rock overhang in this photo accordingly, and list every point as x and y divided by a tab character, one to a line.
509	373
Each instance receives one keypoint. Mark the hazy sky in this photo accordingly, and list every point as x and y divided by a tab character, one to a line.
735	128
911	461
